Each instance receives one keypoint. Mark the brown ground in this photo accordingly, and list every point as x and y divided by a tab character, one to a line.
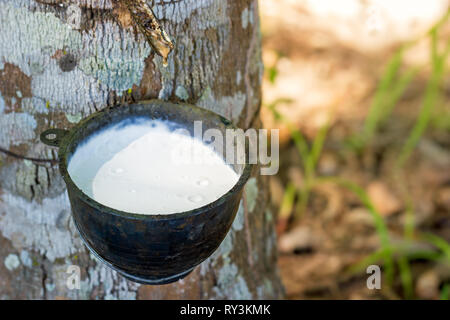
329	76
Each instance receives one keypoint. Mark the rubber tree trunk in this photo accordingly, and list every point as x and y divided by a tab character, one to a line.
61	60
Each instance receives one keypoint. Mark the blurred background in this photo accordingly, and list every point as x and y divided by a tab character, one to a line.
360	90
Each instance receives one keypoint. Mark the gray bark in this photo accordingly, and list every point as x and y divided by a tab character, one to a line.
52	75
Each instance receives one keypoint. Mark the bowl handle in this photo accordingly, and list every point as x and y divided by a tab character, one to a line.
56	140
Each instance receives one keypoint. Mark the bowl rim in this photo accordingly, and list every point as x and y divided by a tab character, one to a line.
67	141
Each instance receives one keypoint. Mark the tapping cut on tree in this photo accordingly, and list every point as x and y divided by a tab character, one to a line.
146	21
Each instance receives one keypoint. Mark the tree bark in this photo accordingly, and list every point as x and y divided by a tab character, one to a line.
53	72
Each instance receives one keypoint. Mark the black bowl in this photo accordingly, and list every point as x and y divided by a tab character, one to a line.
150	249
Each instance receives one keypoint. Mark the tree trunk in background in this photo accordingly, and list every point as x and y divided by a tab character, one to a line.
53	72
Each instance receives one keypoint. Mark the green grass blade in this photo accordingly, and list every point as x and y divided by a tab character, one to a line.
406	277
439	243
373	258
381	93
310	169
287	203
316	149
445	292
397	92
380	225
408	230
299	139
272	74
432	94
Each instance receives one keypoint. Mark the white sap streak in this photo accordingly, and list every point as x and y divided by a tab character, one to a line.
145	167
